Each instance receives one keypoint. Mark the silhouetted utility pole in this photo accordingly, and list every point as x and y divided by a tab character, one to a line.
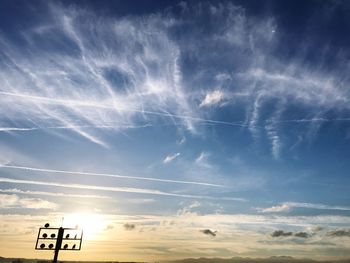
71	237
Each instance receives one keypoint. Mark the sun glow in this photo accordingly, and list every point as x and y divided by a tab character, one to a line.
91	224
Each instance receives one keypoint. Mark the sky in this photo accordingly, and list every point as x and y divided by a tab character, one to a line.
175	129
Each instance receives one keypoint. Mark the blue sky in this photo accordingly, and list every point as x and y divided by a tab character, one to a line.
231	116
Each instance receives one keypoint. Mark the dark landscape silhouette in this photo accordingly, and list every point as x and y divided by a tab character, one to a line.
274	259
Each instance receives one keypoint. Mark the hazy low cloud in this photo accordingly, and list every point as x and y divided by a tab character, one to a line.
281	233
171	158
208	232
339	233
14	201
189	209
317	228
301	234
109	227
129	226
315	231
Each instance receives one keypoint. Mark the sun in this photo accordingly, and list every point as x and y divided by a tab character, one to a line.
91	224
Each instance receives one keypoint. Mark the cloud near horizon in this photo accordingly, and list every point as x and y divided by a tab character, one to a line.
129	226
8	201
288	206
281	233
209	232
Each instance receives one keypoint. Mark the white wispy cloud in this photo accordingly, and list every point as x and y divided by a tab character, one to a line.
130	70
314	91
106	80
311	120
272	131
213	98
14	201
276	209
72	127
109	106
170	158
181	141
266	79
202	160
254	116
288	206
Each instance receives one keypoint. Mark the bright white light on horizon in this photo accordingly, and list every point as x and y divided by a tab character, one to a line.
92	224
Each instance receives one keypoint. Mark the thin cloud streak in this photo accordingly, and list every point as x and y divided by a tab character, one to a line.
17	191
310	120
11	129
205	121
116	189
288	206
73	127
107	175
110	106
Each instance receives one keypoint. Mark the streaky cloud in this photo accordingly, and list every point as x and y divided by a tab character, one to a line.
10	129
288	206
117	189
107	175
18	191
108	105
310	120
149	77
73	127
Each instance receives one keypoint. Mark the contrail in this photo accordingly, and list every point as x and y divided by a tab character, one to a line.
73	127
68	103
116	189
107	175
17	191
310	120
8	129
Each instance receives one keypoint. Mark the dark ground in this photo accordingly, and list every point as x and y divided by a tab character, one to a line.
281	259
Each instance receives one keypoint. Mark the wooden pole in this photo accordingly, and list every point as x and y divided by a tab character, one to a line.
58	243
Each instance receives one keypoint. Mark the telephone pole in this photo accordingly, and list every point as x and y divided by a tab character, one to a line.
47	236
